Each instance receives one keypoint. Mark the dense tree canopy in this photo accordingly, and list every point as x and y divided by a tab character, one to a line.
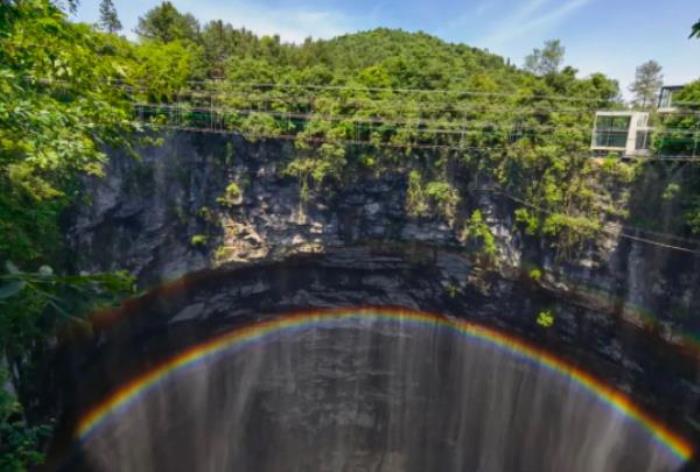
409	94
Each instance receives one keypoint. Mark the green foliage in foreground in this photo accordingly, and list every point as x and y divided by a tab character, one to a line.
57	112
35	307
21	443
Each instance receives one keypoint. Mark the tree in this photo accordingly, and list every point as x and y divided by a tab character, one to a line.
679	133
646	85
164	69
165	23
67	5
695	33
58	110
546	60
217	46
109	21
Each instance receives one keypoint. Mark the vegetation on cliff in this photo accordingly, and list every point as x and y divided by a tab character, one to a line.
678	142
386	100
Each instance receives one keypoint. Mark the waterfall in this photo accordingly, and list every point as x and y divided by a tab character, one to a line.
370	395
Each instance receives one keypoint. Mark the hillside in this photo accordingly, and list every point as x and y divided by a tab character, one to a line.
384	98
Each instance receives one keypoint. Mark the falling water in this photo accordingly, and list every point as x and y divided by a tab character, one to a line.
370	395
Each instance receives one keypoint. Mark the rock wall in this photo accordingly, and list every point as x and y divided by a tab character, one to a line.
359	394
622	307
162	216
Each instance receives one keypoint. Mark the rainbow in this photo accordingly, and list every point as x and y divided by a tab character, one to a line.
244	337
688	340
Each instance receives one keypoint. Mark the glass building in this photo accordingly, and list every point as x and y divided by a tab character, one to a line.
624	132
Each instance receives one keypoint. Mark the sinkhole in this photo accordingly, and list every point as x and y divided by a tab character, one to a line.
367	390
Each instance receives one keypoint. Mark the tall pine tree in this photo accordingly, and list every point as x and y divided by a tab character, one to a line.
547	60
109	21
647	82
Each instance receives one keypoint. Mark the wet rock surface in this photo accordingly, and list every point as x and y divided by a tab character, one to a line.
370	395
149	330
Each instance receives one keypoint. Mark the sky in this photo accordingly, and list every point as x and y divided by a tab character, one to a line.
609	36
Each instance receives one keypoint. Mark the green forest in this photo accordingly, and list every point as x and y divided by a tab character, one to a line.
361	103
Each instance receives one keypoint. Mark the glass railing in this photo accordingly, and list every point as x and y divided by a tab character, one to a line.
610	138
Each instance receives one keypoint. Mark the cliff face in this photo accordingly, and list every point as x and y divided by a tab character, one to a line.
169	214
353	393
